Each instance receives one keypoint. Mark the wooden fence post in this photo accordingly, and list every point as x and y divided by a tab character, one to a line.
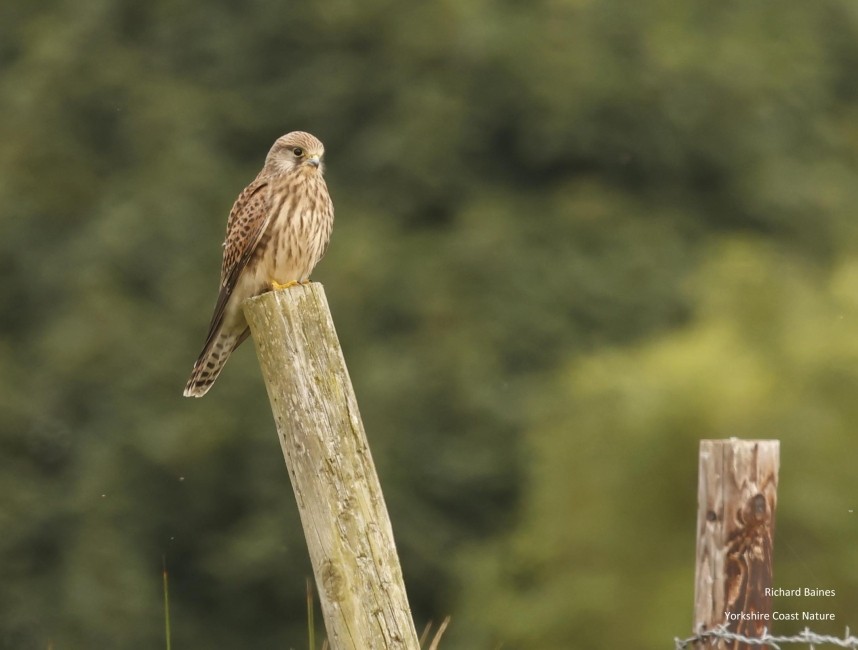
342	509
737	496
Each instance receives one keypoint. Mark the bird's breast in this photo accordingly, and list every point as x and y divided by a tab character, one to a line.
298	232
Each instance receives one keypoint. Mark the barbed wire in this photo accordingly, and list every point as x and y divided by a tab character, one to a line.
806	637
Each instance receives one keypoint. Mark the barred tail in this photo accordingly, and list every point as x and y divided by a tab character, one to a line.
211	362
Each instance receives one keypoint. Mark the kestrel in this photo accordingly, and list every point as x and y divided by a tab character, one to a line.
278	230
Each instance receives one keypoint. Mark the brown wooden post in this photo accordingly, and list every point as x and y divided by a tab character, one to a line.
737	497
342	509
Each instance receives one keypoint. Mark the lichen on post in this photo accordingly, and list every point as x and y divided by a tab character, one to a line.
342	509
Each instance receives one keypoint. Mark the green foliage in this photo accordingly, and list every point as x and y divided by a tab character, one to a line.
572	239
606	524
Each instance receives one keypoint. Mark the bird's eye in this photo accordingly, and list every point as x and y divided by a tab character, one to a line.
298	151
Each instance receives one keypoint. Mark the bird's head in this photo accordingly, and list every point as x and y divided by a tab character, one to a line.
296	149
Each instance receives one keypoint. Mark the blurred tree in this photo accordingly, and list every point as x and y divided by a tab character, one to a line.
554	220
606	532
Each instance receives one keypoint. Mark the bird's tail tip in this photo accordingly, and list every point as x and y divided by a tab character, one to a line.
193	391
200	381
211	362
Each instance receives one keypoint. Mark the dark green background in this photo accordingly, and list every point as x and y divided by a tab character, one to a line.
573	237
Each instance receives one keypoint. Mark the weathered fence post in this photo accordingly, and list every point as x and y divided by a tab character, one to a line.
737	496
342	509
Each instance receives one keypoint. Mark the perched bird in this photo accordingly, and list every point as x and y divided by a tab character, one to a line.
278	230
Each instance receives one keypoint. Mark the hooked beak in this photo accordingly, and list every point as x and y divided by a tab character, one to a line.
314	160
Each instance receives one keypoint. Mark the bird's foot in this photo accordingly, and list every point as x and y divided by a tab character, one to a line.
276	285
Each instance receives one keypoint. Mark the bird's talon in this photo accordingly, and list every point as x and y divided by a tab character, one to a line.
277	286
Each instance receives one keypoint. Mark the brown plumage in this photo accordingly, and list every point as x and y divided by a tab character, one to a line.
277	232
